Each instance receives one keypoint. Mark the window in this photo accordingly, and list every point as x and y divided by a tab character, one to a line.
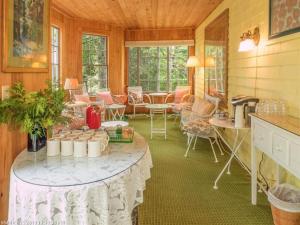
215	69
94	62
158	68
55	51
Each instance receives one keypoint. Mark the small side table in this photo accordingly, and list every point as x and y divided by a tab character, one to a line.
228	124
158	109
157	95
116	111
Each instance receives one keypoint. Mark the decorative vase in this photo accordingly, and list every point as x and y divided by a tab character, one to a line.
93	115
36	142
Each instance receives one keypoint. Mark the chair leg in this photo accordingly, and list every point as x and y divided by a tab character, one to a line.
190	137
213	149
175	118
133	111
194	147
219	146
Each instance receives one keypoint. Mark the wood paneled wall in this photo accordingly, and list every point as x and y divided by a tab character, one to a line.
11	141
71	62
160	34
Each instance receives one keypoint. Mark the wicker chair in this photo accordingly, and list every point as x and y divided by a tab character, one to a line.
181	98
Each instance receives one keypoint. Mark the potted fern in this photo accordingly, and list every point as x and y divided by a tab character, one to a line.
34	113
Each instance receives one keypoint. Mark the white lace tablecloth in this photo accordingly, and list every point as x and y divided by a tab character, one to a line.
83	191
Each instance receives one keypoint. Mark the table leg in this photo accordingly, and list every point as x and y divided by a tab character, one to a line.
109	114
151	123
122	113
253	172
233	154
113	114
234	147
165	115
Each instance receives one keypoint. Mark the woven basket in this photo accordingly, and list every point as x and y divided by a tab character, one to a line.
282	217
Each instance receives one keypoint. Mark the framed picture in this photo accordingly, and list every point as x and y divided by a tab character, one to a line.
26	36
284	17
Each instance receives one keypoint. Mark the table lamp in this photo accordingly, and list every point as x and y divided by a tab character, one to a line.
193	62
71	84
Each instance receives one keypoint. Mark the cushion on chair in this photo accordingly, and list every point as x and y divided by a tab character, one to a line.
82	98
179	95
203	107
198	127
137	96
106	97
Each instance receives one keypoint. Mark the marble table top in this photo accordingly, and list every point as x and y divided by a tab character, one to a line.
38	169
287	123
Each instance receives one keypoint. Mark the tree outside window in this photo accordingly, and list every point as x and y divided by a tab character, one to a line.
94	62
55	54
158	68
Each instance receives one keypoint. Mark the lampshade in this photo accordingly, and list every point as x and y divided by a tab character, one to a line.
246	45
193	61
71	83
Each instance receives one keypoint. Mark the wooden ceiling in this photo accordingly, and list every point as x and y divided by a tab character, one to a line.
139	14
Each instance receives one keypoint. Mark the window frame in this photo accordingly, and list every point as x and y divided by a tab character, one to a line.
59	55
100	65
157	58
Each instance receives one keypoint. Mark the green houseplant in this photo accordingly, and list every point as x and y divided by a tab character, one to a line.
33	112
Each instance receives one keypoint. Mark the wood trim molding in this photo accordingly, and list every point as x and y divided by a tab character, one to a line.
159	43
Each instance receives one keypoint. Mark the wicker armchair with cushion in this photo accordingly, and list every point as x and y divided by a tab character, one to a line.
136	98
181	98
194	122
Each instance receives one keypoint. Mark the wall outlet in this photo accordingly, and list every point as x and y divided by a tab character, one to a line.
5	92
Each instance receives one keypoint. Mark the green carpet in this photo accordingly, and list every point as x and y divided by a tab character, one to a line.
180	191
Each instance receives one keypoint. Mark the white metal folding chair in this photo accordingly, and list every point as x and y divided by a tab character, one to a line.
195	123
136	98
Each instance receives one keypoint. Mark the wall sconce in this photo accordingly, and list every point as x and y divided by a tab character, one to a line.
249	40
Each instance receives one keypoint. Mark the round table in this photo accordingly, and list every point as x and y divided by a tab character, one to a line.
157	95
81	191
114	123
158	109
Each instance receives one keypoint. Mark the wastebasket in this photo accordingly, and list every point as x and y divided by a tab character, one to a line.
285	204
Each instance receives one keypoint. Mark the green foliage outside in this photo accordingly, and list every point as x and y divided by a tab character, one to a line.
33	112
94	62
215	74
158	68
